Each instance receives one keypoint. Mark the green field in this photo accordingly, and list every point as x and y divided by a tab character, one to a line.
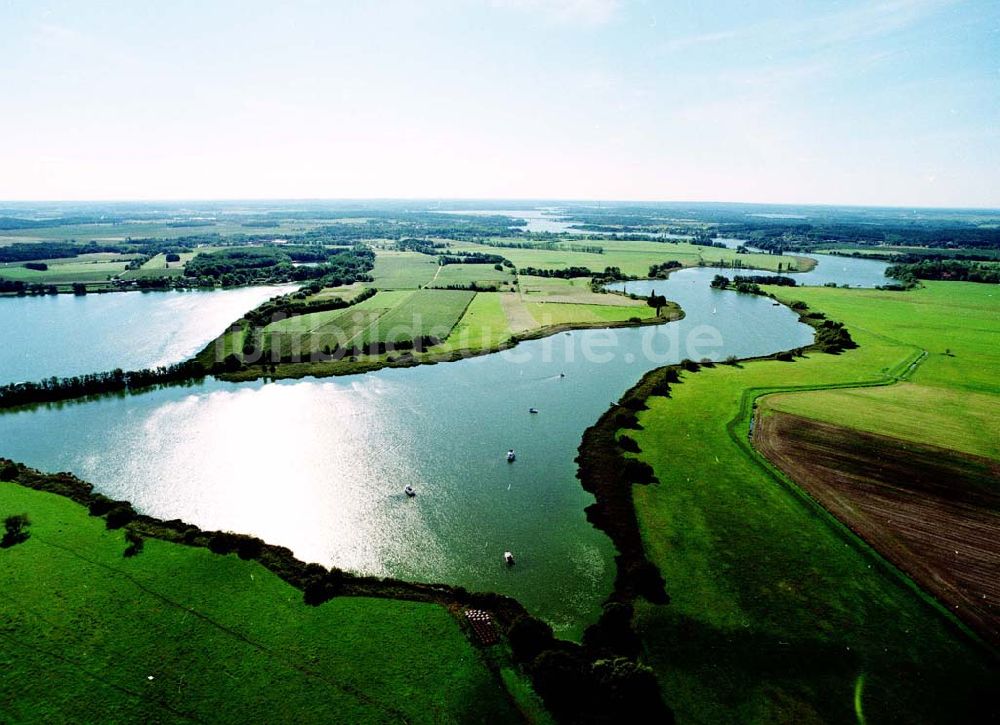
67	271
633	258
483	326
178	634
139	230
463	274
777	614
561	313
953	397
956	419
423	313
403	270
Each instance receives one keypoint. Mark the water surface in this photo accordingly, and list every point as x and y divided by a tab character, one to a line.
319	466
65	335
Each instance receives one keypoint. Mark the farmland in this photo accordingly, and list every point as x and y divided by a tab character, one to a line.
761	582
209	637
86	268
932	512
632	257
778	611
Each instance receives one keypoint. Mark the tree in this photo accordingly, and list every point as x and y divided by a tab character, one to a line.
135	544
528	637
15	530
657	302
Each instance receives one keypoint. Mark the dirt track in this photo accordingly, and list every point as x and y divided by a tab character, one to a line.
932	512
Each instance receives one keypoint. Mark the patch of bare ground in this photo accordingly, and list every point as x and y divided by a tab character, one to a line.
933	512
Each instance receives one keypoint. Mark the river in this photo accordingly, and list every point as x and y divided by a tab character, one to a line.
319	465
66	335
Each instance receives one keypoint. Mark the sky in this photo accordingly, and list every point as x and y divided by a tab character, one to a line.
888	103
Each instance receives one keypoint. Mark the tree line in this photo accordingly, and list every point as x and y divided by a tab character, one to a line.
946	269
54	389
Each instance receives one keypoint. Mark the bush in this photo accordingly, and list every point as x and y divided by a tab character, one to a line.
562	678
117	517
135	544
100	505
629	692
612	634
9	472
323	587
628	444
15	530
529	637
636	471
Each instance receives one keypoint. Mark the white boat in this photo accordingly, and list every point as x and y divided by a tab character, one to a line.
532	410
511	456
508	558
409	490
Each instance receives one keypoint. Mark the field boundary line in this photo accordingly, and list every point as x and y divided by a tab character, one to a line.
738	429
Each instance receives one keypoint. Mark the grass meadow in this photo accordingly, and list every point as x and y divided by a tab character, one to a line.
178	633
778	613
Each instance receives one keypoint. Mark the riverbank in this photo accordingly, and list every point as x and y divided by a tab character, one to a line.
159	559
410	358
99	620
760	625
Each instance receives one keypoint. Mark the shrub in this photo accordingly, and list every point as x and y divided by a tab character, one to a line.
628	444
529	637
135	544
612	634
249	547
15	530
629	692
100	505
636	471
9	472
220	542
323	587
563	679
121	514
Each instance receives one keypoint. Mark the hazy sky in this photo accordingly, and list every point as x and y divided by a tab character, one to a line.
831	102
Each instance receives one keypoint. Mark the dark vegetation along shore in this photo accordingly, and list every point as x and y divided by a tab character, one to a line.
608	471
597	681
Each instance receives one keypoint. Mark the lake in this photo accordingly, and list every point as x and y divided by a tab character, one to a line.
65	335
537	220
853	271
319	465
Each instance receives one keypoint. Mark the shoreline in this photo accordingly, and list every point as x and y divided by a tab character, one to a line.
407	359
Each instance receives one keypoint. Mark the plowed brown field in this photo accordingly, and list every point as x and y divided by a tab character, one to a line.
932	512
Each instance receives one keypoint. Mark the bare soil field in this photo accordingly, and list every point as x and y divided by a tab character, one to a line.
932	512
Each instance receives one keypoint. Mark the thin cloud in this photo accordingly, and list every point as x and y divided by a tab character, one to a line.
841	26
582	12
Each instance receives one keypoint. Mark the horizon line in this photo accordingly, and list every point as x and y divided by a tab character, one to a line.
471	199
